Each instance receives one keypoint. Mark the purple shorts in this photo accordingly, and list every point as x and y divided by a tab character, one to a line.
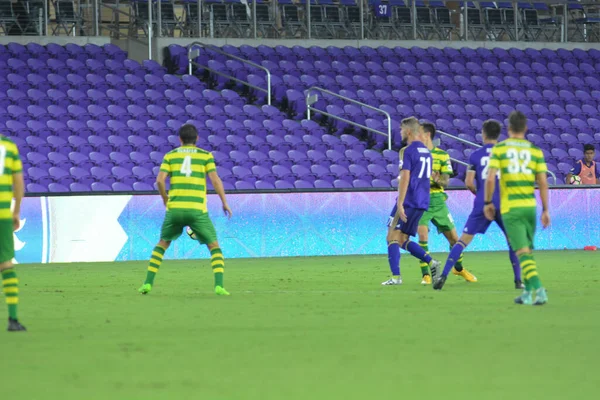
478	223
411	225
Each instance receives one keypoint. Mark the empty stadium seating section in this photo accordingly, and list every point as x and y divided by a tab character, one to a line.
89	119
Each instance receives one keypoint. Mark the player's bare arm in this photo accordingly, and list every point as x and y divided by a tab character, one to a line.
542	182
161	183
490	185
18	194
470	181
402	189
218	185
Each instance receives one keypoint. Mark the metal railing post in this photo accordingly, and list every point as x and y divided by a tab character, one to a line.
149	29
254	23
268	90
362	19
516	20
199	18
565	23
159	18
45	18
308	18
466	20
97	17
414	18
367	128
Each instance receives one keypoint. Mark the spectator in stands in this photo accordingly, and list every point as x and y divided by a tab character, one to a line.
586	169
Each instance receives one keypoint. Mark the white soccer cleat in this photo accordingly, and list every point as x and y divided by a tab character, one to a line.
392	281
435	267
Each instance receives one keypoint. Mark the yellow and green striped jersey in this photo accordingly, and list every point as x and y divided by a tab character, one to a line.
441	164
10	163
518	161
187	167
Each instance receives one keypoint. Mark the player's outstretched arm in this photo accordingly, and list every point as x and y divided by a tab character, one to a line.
542	181
218	185
470	181
18	194
490	185
161	180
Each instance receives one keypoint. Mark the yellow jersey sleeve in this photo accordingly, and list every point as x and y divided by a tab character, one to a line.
495	158
541	167
166	165
445	165
210	164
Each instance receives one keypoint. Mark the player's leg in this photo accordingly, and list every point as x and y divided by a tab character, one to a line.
444	223
453	257
171	229
217	262
207	234
393	247
520	226
10	282
423	235
410	228
393	238
514	260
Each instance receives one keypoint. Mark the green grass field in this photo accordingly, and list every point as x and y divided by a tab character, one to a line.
303	328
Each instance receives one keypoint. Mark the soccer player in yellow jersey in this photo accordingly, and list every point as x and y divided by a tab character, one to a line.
521	165
438	212
187	167
11	186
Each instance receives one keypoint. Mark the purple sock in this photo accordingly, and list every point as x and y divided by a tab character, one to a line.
514	260
453	257
394	258
416	251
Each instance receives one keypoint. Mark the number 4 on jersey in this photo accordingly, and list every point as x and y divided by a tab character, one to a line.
186	166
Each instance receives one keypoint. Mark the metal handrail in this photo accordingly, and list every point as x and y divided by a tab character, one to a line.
194	52
552	174
310	100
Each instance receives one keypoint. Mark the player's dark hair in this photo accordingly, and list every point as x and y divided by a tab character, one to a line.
517	122
492	129
429	128
188	134
588	147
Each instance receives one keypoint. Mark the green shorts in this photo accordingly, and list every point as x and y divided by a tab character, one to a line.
438	214
520	224
7	241
176	220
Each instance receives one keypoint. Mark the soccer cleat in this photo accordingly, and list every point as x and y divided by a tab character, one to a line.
519	285
392	281
426	280
469	277
220	291
524	298
145	289
438	284
434	267
541	297
15	326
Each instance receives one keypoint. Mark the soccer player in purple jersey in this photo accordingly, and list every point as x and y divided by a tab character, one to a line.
413	200
477	222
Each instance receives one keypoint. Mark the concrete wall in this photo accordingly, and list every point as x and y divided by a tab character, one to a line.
61	40
164	42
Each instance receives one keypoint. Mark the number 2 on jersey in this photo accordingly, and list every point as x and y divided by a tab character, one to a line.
425	167
186	166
